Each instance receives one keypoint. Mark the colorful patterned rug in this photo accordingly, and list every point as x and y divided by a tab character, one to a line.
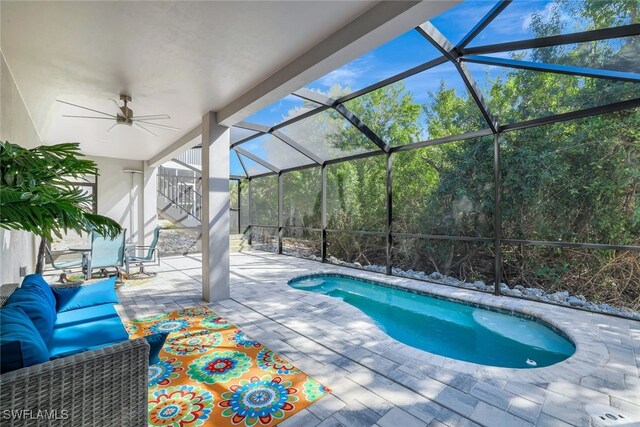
212	374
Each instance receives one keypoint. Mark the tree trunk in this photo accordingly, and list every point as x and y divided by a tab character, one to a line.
40	263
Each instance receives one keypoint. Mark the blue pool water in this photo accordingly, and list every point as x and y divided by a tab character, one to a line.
448	328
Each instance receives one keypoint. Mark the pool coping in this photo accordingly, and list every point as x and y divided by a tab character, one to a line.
591	353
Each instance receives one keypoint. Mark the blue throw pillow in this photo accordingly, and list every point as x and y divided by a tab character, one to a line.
34	303
36	281
86	296
156	341
20	343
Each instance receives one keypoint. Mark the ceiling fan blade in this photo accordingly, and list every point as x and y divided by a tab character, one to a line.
144	128
117	105
158	125
152	117
114	125
85	108
89	117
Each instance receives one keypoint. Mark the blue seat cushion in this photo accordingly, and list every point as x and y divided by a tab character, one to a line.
76	297
79	337
36	281
77	350
35	305
85	315
20	343
156	341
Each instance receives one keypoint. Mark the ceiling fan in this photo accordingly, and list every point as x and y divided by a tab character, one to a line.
124	116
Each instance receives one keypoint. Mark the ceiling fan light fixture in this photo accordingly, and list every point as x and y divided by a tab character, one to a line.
125	116
124	120
127	112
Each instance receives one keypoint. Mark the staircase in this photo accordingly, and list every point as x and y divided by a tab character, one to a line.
168	210
180	203
238	243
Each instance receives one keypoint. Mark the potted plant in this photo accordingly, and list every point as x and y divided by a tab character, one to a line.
37	193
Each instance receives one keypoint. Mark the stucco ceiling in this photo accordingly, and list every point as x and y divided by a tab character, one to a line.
178	58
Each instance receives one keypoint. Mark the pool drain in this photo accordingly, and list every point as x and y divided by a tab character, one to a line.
605	416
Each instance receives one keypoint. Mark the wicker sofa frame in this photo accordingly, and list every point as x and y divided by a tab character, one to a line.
103	387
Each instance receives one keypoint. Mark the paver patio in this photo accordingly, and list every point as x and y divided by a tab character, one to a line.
379	381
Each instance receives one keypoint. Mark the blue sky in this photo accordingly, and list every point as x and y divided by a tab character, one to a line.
235	168
411	49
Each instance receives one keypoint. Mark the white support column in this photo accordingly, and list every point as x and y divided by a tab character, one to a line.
215	209
149	204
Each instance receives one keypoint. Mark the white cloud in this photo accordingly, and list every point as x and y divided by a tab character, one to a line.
546	13
349	74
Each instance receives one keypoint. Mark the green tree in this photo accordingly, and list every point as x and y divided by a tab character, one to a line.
575	181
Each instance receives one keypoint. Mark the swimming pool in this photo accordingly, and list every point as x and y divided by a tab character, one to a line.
449	328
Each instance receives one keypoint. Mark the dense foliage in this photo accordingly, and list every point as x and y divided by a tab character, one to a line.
575	181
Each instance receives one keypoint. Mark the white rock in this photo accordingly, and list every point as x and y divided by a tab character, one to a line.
576	302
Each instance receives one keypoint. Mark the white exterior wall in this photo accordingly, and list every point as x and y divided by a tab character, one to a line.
130	202
17	248
121	196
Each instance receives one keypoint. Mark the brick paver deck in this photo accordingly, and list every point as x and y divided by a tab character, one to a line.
379	381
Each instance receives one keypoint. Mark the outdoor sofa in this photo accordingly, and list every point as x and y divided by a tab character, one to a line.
67	360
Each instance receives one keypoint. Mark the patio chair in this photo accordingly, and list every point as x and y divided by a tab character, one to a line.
150	256
65	264
107	253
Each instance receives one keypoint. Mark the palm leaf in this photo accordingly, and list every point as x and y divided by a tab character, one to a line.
38	194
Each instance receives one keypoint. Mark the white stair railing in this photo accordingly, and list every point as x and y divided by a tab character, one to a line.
180	192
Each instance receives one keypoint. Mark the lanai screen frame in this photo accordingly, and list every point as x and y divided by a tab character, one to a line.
458	55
